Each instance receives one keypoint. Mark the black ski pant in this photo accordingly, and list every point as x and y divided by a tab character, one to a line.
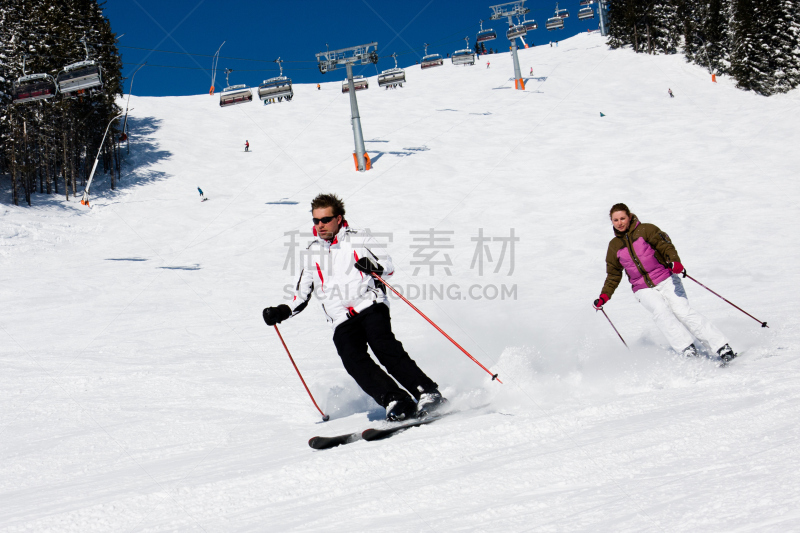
373	326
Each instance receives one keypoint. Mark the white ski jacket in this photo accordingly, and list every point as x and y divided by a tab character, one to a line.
329	271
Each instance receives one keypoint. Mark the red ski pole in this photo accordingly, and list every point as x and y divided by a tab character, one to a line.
440	330
325	417
763	324
612	325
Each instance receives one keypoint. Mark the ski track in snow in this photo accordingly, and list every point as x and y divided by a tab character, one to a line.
142	391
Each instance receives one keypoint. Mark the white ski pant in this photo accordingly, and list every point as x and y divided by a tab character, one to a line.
676	319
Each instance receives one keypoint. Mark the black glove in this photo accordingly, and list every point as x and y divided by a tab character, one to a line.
276	315
368	266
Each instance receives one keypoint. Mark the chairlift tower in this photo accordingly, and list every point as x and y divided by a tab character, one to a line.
330	60
603	14
512	9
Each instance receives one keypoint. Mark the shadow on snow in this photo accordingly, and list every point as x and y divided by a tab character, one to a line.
135	169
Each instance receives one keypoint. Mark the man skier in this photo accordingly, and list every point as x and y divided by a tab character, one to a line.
201	193
246	146
670	93
339	264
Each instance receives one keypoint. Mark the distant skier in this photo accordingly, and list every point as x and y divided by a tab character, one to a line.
246	146
531	74
487	64
551	44
201	193
339	264
652	265
670	93
318	86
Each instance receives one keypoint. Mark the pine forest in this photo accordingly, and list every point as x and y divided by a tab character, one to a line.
50	141
756	42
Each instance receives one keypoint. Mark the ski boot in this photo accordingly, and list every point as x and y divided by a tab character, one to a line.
690	351
402	408
726	354
429	402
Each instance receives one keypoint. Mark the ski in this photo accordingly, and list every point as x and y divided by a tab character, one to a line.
384	433
369	434
323	443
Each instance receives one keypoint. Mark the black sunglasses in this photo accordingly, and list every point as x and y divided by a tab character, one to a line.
324	220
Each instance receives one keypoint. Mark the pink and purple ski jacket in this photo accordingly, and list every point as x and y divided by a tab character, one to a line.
643	252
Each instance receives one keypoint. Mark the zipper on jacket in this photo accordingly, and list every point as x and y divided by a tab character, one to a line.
638	264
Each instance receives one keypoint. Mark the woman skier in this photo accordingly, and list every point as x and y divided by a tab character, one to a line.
652	265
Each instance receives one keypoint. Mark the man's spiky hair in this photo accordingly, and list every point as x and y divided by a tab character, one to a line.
328	200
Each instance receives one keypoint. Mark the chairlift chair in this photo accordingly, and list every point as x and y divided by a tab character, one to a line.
485	35
585	13
430	60
31	87
563	13
554	23
80	76
530	25
516	30
393	76
234	94
279	87
586	3
464	56
359	83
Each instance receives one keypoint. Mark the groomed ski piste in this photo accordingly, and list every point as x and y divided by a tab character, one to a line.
141	390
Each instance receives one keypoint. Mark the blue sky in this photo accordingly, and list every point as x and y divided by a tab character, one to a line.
255	33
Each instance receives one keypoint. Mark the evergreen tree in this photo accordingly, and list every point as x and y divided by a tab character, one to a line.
786	46
750	55
713	32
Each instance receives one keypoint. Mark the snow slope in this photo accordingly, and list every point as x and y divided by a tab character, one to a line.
143	392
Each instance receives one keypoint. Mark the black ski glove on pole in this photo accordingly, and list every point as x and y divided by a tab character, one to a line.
276	315
368	266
